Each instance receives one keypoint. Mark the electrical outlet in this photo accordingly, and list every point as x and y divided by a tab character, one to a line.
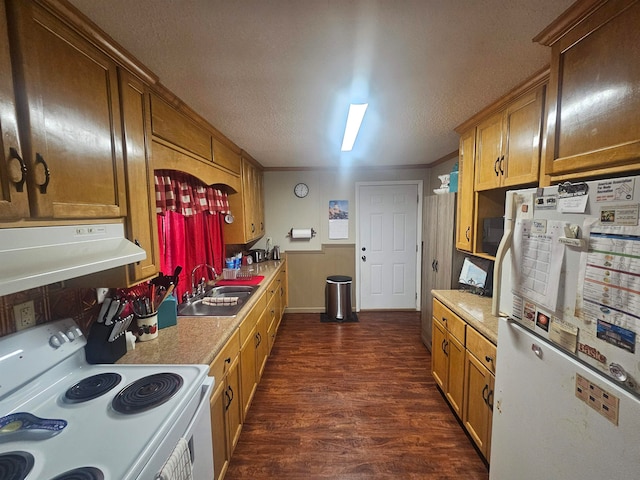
25	315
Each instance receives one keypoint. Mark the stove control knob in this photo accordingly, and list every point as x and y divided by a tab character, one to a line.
73	333
57	339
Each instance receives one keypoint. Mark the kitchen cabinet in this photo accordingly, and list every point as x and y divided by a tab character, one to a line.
225	403
508	144
594	90
247	206
14	201
249	355
68	120
499	149
442	261
141	221
448	354
479	379
464	223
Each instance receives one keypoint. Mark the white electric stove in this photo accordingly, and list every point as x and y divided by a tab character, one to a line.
63	418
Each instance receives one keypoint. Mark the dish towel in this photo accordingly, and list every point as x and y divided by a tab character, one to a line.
178	466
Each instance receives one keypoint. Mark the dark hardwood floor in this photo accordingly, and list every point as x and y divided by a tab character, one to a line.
352	401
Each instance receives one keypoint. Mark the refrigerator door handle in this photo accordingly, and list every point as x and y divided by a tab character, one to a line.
537	350
503	247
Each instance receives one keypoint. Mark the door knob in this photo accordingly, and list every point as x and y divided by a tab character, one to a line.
364	259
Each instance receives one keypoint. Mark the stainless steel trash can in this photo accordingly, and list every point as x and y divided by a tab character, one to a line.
338	297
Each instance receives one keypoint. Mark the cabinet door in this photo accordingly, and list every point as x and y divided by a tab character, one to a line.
429	258
262	338
455	384
221	455
523	127
70	130
489	153
233	405
14	202
248	371
464	222
141	217
478	397
439	359
594	93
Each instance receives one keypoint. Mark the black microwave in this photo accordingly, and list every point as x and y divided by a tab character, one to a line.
492	231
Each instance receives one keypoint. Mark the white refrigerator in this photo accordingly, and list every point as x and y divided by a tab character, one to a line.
567	283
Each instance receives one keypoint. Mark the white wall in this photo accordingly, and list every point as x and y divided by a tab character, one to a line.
283	210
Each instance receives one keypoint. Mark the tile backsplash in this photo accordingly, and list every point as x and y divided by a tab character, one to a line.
51	302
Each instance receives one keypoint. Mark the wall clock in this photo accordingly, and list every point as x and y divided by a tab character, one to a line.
301	190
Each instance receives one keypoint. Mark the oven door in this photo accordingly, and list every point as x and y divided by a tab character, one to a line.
197	434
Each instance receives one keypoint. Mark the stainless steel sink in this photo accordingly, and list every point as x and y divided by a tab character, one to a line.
199	306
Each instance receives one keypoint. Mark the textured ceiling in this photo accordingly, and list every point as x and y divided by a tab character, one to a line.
277	76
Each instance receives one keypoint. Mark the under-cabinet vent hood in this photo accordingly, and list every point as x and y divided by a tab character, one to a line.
35	256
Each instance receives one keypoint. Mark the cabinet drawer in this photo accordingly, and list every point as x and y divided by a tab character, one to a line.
482	349
225	358
453	323
252	318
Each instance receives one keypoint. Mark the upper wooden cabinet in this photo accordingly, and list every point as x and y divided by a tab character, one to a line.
14	202
68	120
508	144
141	196
593	102
171	126
247	207
464	224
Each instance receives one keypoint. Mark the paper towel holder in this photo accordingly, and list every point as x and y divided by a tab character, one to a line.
290	234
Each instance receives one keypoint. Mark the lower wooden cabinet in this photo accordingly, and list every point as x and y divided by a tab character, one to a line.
226	407
447	361
479	379
237	370
463	366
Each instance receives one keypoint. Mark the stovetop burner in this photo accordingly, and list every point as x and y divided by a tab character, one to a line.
15	465
92	387
147	392
82	473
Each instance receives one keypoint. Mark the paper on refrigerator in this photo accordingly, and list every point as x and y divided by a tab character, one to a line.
537	256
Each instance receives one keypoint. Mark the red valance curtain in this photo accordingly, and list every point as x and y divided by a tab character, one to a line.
190	225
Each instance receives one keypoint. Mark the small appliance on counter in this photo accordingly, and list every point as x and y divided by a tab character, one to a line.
275	253
258	255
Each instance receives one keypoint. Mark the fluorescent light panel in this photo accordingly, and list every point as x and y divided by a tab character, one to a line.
354	120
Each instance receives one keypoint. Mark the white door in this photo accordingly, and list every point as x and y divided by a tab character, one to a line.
388	235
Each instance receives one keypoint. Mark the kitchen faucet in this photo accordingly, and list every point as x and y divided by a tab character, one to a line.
199	288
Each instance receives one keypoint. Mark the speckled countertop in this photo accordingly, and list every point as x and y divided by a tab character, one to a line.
197	340
473	309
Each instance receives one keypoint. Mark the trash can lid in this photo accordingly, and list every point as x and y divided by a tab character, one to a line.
338	278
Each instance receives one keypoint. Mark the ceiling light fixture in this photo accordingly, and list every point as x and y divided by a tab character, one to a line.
354	119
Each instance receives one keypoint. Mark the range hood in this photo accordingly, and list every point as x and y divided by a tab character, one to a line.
35	256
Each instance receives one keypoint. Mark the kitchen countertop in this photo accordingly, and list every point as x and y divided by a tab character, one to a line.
473	309
197	340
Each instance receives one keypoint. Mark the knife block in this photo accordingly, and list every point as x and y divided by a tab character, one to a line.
99	349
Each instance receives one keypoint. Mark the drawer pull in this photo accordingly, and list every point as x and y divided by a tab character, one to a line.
488	359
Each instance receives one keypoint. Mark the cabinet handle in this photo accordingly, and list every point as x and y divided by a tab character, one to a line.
259	339
485	390
253	228
495	166
433	265
232	395
226	394
436	266
47	174
501	165
446	348
442	346
466	233
490	400
19	183
488	358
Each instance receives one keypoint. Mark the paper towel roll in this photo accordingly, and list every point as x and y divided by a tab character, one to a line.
301	233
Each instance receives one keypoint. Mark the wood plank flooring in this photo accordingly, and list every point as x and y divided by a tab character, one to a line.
352	401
